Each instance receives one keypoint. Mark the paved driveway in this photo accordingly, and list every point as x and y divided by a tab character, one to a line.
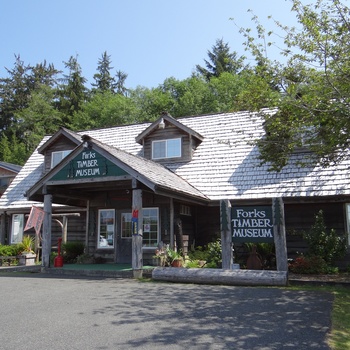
43	312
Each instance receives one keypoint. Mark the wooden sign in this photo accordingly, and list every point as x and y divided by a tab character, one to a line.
252	224
88	164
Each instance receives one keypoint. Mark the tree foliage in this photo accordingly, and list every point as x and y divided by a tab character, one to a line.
314	84
221	60
36	100
104	81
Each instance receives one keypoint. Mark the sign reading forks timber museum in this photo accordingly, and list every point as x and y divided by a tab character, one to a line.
252	224
88	164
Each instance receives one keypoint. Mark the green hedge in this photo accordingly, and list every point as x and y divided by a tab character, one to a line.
10	250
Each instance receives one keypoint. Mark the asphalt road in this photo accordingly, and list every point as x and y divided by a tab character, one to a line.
43	312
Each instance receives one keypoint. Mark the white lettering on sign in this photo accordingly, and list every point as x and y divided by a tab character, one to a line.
253	223
87	172
88	166
253	233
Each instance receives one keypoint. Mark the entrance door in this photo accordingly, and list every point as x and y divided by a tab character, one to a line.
124	238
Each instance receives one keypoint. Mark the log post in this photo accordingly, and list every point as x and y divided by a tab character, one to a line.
226	235
279	233
47	230
137	261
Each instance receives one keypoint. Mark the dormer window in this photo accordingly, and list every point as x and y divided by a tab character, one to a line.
56	157
170	148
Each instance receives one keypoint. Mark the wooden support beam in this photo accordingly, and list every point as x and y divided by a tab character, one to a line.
226	234
279	232
46	251
137	220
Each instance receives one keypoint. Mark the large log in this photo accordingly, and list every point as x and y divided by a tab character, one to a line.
219	276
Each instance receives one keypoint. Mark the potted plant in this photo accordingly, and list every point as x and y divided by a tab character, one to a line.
160	257
174	258
27	255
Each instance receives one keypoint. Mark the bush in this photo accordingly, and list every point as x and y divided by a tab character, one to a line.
309	265
323	243
210	253
10	250
71	250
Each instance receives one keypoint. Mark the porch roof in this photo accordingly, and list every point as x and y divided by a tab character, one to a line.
153	175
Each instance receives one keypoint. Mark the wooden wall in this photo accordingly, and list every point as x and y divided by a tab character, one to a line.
62	144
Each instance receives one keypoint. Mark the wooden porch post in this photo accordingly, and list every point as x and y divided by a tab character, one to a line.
47	230
2	227
137	221
64	229
279	232
171	229
226	235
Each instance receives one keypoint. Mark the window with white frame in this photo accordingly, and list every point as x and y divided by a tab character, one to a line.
166	148
106	228
126	225
347	211
150	227
56	157
17	228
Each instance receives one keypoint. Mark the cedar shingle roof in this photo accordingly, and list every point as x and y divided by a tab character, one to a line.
225	164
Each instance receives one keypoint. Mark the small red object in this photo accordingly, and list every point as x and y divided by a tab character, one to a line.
58	262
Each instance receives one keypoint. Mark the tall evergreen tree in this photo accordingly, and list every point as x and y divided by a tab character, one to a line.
221	60
73	92
120	83
14	94
104	81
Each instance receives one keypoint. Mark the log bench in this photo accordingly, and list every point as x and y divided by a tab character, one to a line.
219	276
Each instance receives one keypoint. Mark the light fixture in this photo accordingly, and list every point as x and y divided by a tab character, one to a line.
161	124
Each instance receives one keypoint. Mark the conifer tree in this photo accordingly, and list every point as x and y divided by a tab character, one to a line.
104	81
221	60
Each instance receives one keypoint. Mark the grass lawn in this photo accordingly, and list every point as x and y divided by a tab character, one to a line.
339	338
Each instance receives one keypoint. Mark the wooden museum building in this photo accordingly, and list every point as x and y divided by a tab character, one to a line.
163	181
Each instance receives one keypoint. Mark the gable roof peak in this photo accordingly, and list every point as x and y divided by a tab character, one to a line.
71	135
160	124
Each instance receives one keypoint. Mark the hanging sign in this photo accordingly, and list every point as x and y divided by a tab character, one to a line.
252	224
135	221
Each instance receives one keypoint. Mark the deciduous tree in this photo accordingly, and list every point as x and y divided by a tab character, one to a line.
314	83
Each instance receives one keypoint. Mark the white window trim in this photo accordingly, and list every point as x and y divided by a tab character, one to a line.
20	228
166	148
121	225
99	228
64	154
158	227
347	215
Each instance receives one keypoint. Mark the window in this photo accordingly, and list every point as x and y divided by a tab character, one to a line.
150	227
348	221
17	228
166	149
106	227
185	210
56	157
126	226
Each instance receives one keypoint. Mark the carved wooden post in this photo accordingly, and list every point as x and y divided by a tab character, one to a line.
46	251
226	235
137	221
279	232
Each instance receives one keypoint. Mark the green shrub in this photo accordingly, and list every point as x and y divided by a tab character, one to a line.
309	265
323	243
71	250
210	253
10	250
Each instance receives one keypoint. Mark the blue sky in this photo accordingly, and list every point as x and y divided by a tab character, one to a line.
150	40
